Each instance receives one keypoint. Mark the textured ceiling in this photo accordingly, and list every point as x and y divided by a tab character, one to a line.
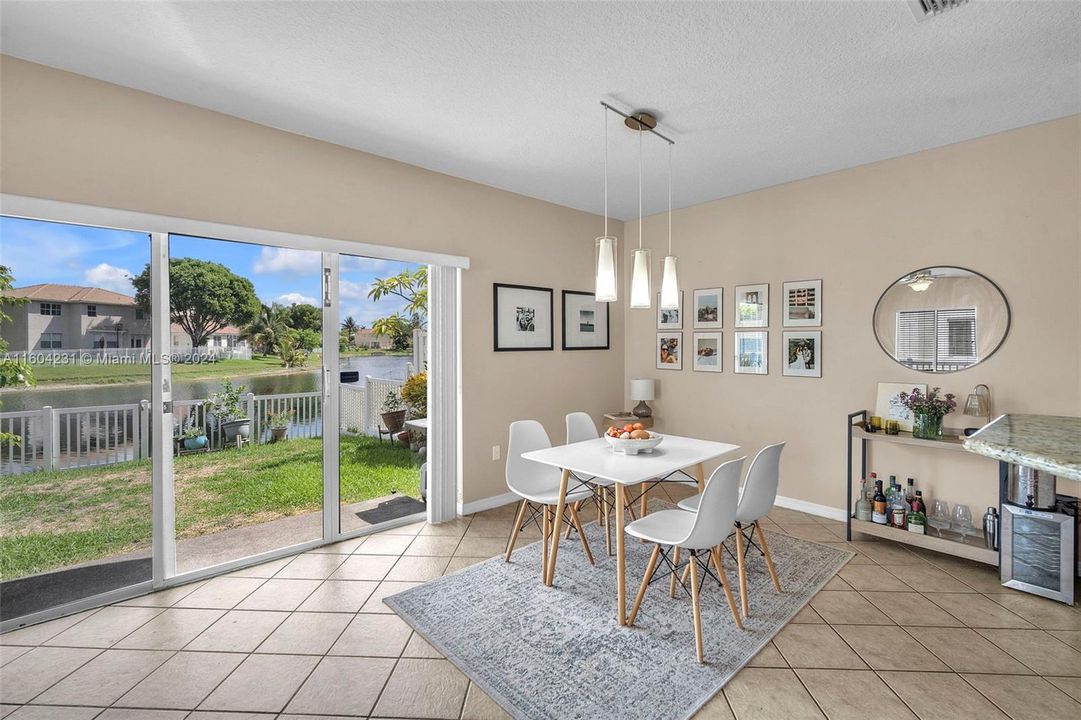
506	94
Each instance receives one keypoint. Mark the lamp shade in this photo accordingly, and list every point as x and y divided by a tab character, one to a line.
978	404
606	284
669	285
641	288
642	389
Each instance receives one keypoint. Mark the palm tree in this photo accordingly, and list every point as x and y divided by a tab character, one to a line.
349	329
266	329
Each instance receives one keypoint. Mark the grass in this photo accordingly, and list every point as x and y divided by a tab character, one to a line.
112	374
56	519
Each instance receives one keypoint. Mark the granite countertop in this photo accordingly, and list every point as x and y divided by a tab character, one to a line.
1045	442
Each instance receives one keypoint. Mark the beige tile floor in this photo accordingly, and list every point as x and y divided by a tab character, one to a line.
896	634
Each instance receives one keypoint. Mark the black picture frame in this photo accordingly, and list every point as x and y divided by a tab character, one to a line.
607	324
496	287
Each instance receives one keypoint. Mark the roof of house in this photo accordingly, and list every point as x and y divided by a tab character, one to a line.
227	330
53	292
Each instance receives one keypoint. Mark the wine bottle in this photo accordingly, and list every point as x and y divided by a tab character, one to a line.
878	505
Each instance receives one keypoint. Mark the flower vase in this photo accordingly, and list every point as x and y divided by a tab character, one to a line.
927	426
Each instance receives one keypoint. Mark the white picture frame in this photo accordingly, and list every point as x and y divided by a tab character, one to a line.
668	352
802	303
888	407
708	309
750	350
802	353
707	352
752	306
670	319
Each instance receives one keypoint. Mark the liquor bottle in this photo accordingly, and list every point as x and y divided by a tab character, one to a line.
863	505
878	505
898	509
918	504
910	495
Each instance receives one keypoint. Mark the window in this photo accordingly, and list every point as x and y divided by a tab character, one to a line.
91	310
51	341
139	315
937	340
136	342
50	308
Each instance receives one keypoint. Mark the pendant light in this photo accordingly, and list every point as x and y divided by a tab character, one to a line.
670	279
641	288
606	246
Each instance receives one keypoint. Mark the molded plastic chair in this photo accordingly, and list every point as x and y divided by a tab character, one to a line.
538	486
758	495
580	427
699	531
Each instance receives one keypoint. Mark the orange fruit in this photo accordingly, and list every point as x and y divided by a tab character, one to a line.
639	426
628	428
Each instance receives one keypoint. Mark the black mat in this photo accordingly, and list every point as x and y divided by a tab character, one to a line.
40	592
392	509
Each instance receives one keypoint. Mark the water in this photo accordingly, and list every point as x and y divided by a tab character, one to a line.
391	367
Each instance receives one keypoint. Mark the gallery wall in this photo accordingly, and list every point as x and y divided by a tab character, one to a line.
1006	205
71	138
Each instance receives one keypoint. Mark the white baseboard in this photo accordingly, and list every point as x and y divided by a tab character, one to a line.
811	508
490	502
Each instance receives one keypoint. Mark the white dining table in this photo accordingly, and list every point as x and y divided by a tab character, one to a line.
596	459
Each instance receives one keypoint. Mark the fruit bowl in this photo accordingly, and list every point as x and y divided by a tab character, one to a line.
633	447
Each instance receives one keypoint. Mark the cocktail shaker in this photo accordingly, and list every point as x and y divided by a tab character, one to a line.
990	528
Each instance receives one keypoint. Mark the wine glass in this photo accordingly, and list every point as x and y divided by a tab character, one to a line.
962	520
939	518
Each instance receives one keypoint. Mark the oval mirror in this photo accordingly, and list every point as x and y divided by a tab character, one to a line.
941	319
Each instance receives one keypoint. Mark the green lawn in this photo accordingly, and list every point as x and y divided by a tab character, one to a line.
109	374
52	520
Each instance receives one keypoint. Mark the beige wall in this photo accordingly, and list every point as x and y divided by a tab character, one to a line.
1007	205
71	138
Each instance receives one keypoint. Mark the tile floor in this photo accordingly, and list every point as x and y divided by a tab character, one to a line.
896	634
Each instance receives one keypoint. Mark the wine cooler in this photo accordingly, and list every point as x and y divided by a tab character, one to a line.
1038	549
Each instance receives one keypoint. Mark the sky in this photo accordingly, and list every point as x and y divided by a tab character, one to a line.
43	252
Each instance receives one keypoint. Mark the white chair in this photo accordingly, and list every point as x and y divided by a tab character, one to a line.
580	427
757	497
699	531
538	486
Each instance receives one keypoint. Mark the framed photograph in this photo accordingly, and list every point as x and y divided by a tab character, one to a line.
888	407
670	319
585	322
752	305
708	309
752	352
707	352
522	317
802	354
669	351
803	303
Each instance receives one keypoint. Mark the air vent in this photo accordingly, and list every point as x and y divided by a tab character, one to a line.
927	9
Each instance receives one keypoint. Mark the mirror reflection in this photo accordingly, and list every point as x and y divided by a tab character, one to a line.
941	319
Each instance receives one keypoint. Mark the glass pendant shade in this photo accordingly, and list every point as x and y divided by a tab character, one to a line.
670	284
606	285
641	288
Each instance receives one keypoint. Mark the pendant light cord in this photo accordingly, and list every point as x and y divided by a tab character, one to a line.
639	190
604	114
669	199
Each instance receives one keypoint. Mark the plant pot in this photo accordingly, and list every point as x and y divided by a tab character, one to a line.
233	428
195	443
278	434
393	421
404	437
926	426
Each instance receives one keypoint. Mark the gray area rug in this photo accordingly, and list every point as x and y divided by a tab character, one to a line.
556	653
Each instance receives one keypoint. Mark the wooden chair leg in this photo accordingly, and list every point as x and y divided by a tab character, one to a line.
727	588
546	532
769	558
607	522
644	501
645	583
576	507
672	581
581	533
742	572
517	529
598	500
697	608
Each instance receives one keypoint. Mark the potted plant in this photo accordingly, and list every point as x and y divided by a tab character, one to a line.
194	438
225	406
415	395
927	411
393	414
279	425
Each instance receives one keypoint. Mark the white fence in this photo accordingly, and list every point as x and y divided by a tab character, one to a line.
64	438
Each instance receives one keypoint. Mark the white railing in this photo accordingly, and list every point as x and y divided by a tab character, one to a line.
362	403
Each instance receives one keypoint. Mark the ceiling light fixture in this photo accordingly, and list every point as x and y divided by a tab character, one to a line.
670	278
606	246
641	285
920	282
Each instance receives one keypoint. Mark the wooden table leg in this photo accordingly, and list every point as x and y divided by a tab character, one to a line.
546	530
558	526
700	476
621	558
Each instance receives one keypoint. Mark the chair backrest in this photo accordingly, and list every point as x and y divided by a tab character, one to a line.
526	476
580	426
717	509
760	487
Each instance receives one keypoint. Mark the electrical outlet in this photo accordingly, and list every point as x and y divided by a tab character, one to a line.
495	452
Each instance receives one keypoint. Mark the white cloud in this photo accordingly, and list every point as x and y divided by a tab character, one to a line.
349	290
110	277
351	263
273	260
295	298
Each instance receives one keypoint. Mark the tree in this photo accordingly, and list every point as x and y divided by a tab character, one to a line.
204	297
263	332
290	351
349	330
302	316
398	328
13	373
409	286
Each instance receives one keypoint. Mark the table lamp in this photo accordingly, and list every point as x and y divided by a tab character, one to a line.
642	390
977	404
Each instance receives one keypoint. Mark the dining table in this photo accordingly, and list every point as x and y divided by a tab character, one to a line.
597	459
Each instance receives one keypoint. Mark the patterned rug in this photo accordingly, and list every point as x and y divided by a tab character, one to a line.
558	653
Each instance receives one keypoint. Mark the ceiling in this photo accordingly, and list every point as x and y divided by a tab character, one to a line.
754	93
